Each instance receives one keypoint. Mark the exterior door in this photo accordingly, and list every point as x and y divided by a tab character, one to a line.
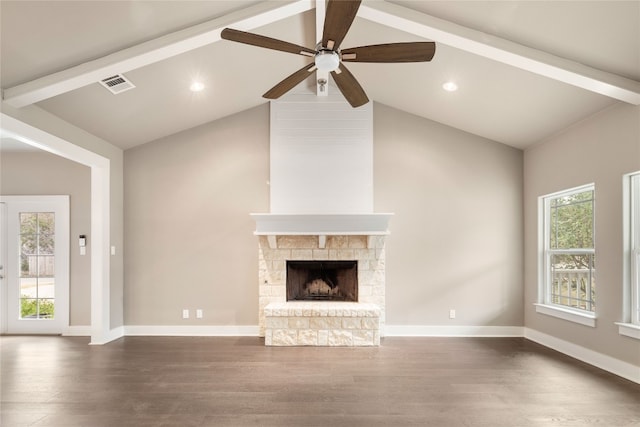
36	273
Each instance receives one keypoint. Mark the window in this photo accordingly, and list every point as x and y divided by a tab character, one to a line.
630	325
567	257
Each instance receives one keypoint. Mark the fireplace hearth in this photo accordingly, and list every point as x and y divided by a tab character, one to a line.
322	281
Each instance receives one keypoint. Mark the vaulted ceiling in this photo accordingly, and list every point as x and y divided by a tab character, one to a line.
526	70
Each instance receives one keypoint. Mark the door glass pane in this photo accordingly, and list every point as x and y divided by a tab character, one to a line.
45	308
28	308
37	265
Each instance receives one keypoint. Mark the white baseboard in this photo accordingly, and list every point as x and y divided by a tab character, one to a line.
112	335
196	330
453	331
599	360
77	331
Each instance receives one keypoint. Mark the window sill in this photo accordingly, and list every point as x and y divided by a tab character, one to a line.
629	330
567	314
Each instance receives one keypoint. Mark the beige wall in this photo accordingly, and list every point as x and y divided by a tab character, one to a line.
456	237
40	173
600	150
189	238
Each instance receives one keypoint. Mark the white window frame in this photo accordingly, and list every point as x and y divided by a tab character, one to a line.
545	304
630	325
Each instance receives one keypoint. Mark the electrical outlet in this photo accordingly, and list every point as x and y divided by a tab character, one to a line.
199	313
185	313
452	314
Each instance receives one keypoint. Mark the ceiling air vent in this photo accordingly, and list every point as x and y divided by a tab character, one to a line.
117	84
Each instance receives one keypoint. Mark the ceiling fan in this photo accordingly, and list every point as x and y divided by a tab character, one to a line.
330	58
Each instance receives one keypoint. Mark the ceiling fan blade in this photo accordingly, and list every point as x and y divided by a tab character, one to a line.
338	19
263	41
391	52
349	87
290	82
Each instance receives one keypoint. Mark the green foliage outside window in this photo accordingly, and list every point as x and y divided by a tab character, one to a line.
29	308
572	221
571	229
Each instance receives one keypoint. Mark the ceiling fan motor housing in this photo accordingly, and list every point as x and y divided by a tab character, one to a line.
327	60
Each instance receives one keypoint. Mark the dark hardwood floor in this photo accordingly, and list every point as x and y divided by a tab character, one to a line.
207	381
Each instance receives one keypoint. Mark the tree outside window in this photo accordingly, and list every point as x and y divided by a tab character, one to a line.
570	250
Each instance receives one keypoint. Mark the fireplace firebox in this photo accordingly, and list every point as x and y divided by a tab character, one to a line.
322	281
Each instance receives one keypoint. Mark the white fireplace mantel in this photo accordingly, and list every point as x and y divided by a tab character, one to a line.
321	225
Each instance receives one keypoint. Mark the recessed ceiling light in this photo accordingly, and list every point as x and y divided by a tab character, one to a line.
450	86
196	86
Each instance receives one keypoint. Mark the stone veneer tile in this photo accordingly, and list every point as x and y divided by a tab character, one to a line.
298	242
280	254
339	337
302	254
325	323
362	338
365	254
357	241
335	242
307	337
277	322
351	323
365	291
298	323
285	337
320	254
372	323
323	337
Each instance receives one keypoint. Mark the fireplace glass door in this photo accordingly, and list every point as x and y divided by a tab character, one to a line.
322	281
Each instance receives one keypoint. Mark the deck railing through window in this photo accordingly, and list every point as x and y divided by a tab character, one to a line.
573	288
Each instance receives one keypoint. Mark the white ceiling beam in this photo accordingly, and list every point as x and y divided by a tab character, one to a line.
151	52
501	50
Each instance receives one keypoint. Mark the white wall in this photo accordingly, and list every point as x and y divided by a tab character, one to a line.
601	150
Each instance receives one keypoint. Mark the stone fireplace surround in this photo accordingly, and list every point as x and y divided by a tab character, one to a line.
321	323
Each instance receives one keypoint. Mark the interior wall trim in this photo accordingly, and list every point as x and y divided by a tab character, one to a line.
192	330
453	331
77	331
610	364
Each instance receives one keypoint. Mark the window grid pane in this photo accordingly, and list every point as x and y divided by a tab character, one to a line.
573	280
570	254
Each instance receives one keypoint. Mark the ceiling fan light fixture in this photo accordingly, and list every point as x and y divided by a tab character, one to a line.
327	60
